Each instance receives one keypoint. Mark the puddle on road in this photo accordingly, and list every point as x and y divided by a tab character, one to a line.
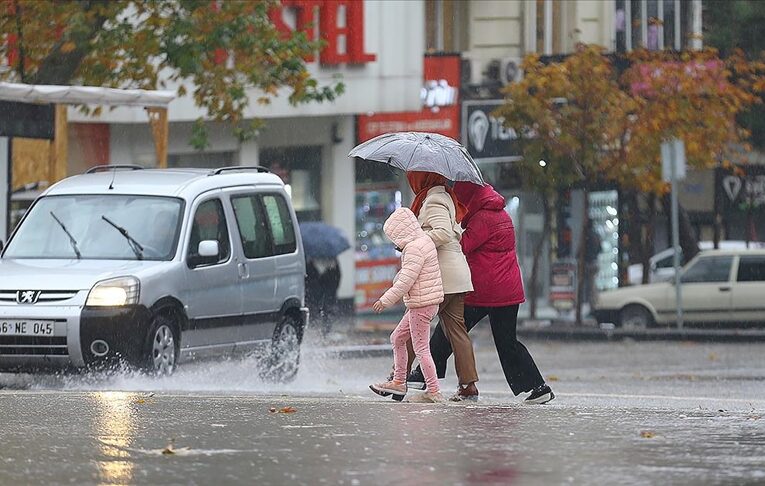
320	373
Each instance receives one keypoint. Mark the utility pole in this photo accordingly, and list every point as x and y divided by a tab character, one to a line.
673	170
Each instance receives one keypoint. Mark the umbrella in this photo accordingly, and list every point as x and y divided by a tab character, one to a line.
421	151
321	240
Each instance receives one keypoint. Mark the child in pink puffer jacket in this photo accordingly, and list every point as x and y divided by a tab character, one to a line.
419	284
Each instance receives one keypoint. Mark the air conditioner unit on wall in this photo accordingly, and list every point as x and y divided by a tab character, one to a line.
510	70
503	71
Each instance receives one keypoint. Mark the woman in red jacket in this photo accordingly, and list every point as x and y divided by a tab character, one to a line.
488	242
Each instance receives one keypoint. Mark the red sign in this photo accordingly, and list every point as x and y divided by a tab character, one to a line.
341	27
373	278
440	99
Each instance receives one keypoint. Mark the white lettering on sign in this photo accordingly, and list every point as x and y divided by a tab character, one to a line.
480	125
438	93
753	188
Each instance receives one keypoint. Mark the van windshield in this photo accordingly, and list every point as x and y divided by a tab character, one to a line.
99	227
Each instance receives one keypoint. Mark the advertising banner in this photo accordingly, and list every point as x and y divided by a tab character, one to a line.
440	104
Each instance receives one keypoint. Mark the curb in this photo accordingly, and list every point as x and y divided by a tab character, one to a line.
597	334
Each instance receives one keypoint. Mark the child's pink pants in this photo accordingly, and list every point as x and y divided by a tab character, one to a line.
415	323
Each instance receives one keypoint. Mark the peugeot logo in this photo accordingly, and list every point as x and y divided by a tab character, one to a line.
27	296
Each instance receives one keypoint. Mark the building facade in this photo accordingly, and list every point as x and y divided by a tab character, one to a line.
306	145
492	38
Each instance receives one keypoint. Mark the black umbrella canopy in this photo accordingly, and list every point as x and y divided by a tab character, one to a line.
421	151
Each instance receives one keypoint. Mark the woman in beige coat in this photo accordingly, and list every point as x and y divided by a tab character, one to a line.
439	214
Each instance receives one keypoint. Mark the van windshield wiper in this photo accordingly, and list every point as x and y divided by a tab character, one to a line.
134	245
72	241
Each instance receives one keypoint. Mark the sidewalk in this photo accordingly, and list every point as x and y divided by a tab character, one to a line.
550	326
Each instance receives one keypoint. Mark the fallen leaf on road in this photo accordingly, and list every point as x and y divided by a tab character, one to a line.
647	434
140	401
169	450
552	378
283	410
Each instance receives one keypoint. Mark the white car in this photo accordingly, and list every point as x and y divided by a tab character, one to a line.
662	263
718	286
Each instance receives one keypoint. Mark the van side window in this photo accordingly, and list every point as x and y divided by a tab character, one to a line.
253	230
210	224
280	221
751	269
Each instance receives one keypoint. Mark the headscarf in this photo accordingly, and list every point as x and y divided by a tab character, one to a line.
422	182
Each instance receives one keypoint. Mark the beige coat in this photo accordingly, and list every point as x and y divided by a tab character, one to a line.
419	280
438	218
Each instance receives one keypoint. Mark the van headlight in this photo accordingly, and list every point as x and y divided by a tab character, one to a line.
114	292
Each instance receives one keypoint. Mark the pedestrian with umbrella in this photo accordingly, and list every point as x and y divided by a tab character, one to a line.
489	244
430	161
322	243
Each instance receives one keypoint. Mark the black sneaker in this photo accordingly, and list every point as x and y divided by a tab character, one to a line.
416	380
539	395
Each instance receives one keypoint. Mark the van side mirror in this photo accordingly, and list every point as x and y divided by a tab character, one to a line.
208	248
207	254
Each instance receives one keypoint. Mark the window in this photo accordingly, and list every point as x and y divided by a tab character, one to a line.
252	227
201	160
209	224
70	225
280	221
654	24
666	262
751	269
549	19
300	169
709	269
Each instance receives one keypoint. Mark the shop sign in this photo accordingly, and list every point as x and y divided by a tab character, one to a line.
485	136
563	284
373	278
340	27
742	188
440	104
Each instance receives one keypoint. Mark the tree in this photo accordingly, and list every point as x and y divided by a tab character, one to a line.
568	110
695	96
737	24
221	48
602	127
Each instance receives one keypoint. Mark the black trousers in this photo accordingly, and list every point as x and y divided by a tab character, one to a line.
520	370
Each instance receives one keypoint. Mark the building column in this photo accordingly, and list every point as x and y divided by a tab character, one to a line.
248	153
696	34
339	196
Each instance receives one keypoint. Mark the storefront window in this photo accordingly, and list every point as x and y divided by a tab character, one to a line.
378	194
300	169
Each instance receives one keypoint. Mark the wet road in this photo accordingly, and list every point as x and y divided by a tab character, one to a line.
626	413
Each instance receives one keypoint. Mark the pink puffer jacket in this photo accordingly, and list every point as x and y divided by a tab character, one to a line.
419	280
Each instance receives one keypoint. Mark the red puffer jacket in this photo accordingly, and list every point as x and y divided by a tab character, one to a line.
489	245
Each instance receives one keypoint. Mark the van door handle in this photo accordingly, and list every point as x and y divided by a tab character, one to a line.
724	289
243	271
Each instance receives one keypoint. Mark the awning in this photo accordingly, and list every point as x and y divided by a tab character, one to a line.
84	95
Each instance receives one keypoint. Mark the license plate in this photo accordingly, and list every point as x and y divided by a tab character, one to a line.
17	327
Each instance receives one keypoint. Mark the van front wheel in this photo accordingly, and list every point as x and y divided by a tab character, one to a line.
162	346
283	360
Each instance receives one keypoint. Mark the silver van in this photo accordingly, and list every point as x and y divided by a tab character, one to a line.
153	267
